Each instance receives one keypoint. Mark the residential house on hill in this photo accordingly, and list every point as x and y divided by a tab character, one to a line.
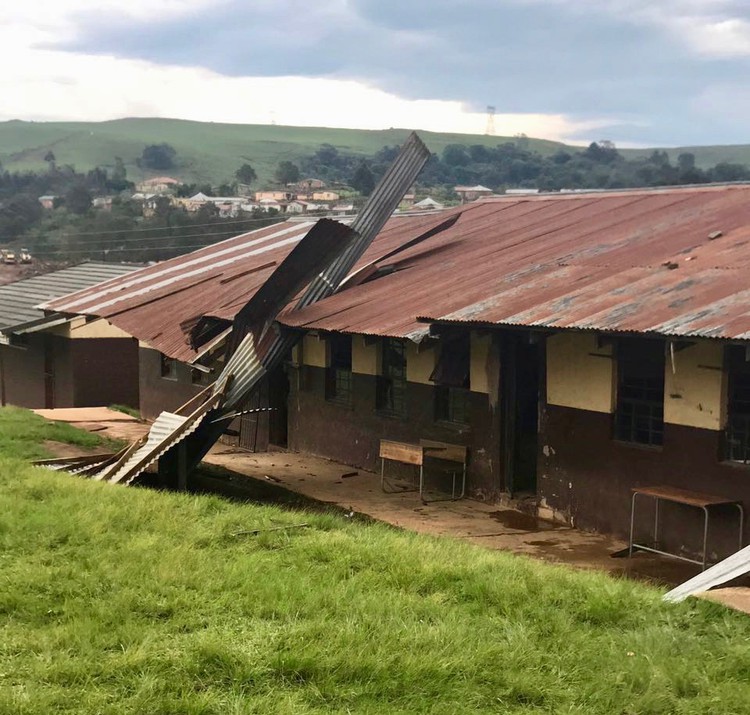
158	185
52	360
472	193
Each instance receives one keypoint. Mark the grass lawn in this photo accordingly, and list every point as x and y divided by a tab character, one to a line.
117	600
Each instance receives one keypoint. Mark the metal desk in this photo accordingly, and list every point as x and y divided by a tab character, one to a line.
680	496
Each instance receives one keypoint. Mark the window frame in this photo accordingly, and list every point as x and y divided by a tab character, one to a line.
450	399
339	382
167	367
639	417
390	384
737	420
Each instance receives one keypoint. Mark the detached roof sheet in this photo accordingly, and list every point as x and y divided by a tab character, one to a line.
631	261
18	300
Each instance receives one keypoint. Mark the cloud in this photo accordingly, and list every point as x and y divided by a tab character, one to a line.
630	70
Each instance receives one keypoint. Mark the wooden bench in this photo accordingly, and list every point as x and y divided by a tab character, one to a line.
417	454
689	498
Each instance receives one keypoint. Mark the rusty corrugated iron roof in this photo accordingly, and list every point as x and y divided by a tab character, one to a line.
631	261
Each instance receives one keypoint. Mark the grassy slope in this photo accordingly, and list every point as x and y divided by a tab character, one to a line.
212	152
119	600
207	151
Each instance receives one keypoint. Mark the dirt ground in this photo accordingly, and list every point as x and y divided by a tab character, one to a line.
494	526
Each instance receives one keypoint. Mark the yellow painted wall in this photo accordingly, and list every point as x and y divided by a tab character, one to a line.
480	352
365	358
419	365
314	351
695	393
97	329
576	377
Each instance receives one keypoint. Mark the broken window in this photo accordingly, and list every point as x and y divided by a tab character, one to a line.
339	372
737	434
390	395
451	378
639	416
168	367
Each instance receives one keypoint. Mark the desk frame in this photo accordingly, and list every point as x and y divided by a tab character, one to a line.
679	496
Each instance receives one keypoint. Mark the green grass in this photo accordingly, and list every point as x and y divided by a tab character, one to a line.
206	151
117	600
211	152
23	433
125	409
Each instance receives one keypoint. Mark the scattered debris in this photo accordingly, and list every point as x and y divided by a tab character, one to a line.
254	532
349	474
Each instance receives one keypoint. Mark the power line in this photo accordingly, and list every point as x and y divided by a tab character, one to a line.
159	228
226	233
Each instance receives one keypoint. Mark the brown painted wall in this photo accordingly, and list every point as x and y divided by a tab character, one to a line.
23	374
158	393
587	476
105	371
86	372
351	434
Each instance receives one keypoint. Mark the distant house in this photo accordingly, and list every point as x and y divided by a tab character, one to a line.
47	201
310	185
428	204
301	207
342	209
521	192
472	193
103	203
325	196
407	202
158	185
50	359
272	205
274	195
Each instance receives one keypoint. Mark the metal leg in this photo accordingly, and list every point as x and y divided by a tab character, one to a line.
382	474
742	525
421	480
705	536
632	522
656	523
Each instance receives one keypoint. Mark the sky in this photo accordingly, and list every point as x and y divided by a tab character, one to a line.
636	72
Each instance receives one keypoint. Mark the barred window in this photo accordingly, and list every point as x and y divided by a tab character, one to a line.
639	416
339	372
168	367
737	435
451	378
390	395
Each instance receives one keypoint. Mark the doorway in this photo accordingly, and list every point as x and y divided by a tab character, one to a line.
520	374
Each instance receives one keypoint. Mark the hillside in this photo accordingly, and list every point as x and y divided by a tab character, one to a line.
205	151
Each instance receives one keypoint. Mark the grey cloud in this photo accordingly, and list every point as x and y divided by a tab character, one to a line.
550	56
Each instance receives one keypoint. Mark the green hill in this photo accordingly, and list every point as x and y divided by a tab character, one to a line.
205	151
211	152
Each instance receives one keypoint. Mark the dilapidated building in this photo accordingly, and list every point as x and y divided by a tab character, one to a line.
578	345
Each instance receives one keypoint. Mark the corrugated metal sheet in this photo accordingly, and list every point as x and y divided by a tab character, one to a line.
163	435
637	261
18	300
153	303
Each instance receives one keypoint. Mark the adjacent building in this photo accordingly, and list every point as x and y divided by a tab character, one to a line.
50	360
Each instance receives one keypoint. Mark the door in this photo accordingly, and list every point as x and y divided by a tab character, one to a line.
520	382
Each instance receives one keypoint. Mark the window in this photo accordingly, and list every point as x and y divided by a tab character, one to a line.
737	436
451	378
199	377
168	367
339	373
391	384
639	416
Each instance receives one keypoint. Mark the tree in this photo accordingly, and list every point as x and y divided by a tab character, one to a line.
245	174
287	173
49	157
456	155
78	199
686	161
157	156
363	180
